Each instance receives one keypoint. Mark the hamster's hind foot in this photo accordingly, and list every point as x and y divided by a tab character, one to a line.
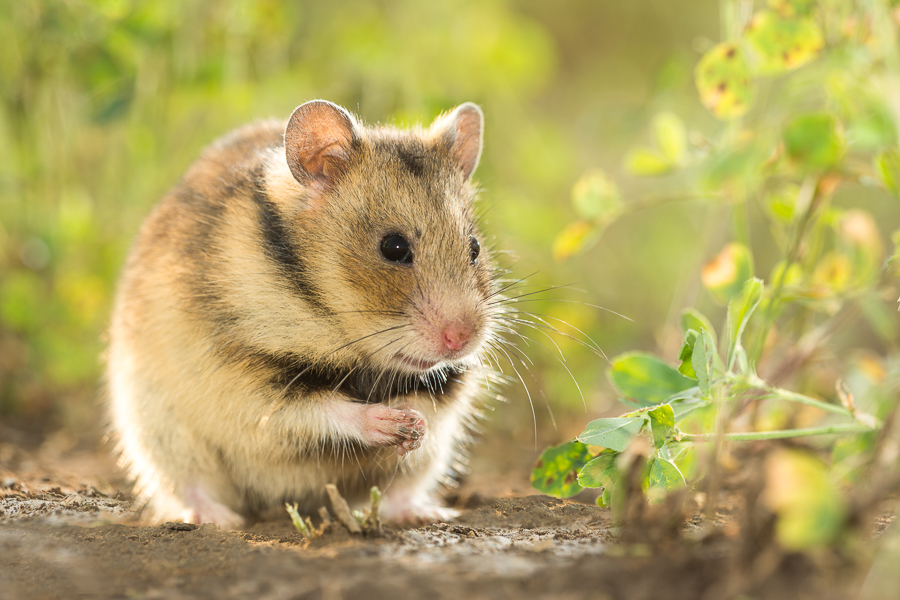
405	509
201	508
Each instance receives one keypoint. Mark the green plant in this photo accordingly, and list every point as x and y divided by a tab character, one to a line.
804	89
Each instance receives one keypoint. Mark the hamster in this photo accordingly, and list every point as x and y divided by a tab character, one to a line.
311	304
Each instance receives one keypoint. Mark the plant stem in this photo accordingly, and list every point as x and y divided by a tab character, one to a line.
794	253
782	394
837	429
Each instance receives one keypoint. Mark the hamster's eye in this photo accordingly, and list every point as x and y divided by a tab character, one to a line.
474	248
395	248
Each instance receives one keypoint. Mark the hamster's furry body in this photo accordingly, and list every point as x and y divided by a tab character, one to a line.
309	305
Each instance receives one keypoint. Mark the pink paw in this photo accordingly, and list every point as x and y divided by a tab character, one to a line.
401	427
203	509
406	511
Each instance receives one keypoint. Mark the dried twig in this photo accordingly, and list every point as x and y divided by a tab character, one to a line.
342	509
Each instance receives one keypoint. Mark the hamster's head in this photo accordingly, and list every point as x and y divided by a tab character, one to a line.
389	240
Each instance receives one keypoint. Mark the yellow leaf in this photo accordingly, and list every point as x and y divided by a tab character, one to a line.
575	238
723	81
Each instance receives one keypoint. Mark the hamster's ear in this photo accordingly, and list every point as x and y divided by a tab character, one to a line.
318	142
461	129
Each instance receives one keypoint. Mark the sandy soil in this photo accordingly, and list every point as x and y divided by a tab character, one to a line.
70	529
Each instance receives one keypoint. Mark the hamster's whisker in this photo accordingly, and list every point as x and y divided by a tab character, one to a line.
355	453
380	374
532	325
356	341
390	313
528	340
415	304
493	354
603	308
525	361
561	359
501	346
394	374
539	321
517	281
513	345
350	372
513	299
483	369
520	356
277	403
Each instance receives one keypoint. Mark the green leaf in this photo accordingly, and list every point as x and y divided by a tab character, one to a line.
576	237
782	44
814	141
703	361
670	135
599	472
739	310
724	82
595	197
887	168
662	421
724	275
645	378
615	434
693	319
687	350
665	475
605	499
556	471
646	162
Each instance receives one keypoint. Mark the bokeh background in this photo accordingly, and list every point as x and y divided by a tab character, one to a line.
106	102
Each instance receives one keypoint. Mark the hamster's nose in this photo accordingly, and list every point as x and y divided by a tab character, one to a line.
457	335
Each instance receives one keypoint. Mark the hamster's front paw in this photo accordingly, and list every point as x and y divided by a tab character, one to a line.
401	427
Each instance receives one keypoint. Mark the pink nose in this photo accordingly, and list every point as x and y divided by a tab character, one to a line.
456	336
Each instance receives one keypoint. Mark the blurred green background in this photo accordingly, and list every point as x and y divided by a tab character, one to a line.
105	103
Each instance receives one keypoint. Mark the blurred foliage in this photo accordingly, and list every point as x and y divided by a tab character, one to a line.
825	324
104	103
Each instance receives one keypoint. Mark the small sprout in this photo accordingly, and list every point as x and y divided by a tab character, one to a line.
356	521
361	517
304	527
375	498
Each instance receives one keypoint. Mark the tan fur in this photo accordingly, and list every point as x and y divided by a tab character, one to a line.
254	272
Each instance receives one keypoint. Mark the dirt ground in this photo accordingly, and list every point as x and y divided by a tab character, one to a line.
70	529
